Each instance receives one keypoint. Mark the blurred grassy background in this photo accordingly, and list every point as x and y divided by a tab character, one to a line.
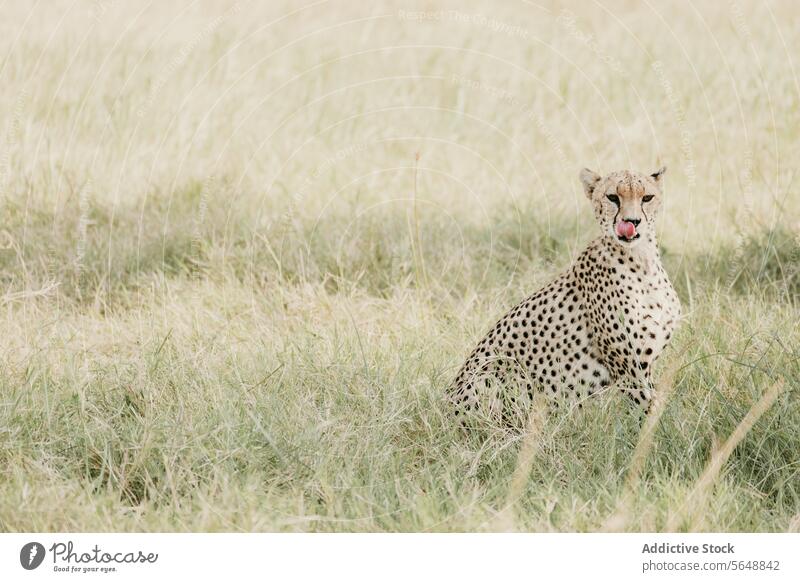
217	314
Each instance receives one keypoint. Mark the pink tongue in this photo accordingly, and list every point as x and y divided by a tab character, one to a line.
626	229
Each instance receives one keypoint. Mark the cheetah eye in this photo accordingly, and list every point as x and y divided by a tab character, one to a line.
614	198
647	198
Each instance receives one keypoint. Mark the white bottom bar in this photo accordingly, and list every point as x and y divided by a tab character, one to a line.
372	557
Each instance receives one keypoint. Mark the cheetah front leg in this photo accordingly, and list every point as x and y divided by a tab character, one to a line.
640	392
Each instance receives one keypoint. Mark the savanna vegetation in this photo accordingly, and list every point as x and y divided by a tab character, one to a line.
245	246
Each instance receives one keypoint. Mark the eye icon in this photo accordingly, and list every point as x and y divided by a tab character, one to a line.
31	555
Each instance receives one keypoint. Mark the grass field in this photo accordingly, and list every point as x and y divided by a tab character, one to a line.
245	247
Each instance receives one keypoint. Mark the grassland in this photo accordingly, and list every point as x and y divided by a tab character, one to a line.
244	248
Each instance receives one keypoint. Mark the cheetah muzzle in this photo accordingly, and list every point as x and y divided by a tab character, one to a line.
603	322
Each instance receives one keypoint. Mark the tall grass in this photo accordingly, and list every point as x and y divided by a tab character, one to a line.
217	317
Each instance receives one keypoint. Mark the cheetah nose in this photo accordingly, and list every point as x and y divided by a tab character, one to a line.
634	221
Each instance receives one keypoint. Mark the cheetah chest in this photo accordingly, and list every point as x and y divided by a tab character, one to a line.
637	319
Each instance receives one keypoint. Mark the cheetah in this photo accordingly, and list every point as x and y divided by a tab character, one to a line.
603	322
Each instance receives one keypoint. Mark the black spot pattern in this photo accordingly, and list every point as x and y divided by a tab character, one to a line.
604	321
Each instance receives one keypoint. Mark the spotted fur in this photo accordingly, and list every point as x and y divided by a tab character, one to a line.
603	322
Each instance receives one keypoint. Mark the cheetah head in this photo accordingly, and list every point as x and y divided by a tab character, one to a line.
625	203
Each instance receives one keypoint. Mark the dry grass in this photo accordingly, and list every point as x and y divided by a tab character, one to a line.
245	246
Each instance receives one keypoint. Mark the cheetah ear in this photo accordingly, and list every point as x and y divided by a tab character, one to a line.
658	174
589	180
